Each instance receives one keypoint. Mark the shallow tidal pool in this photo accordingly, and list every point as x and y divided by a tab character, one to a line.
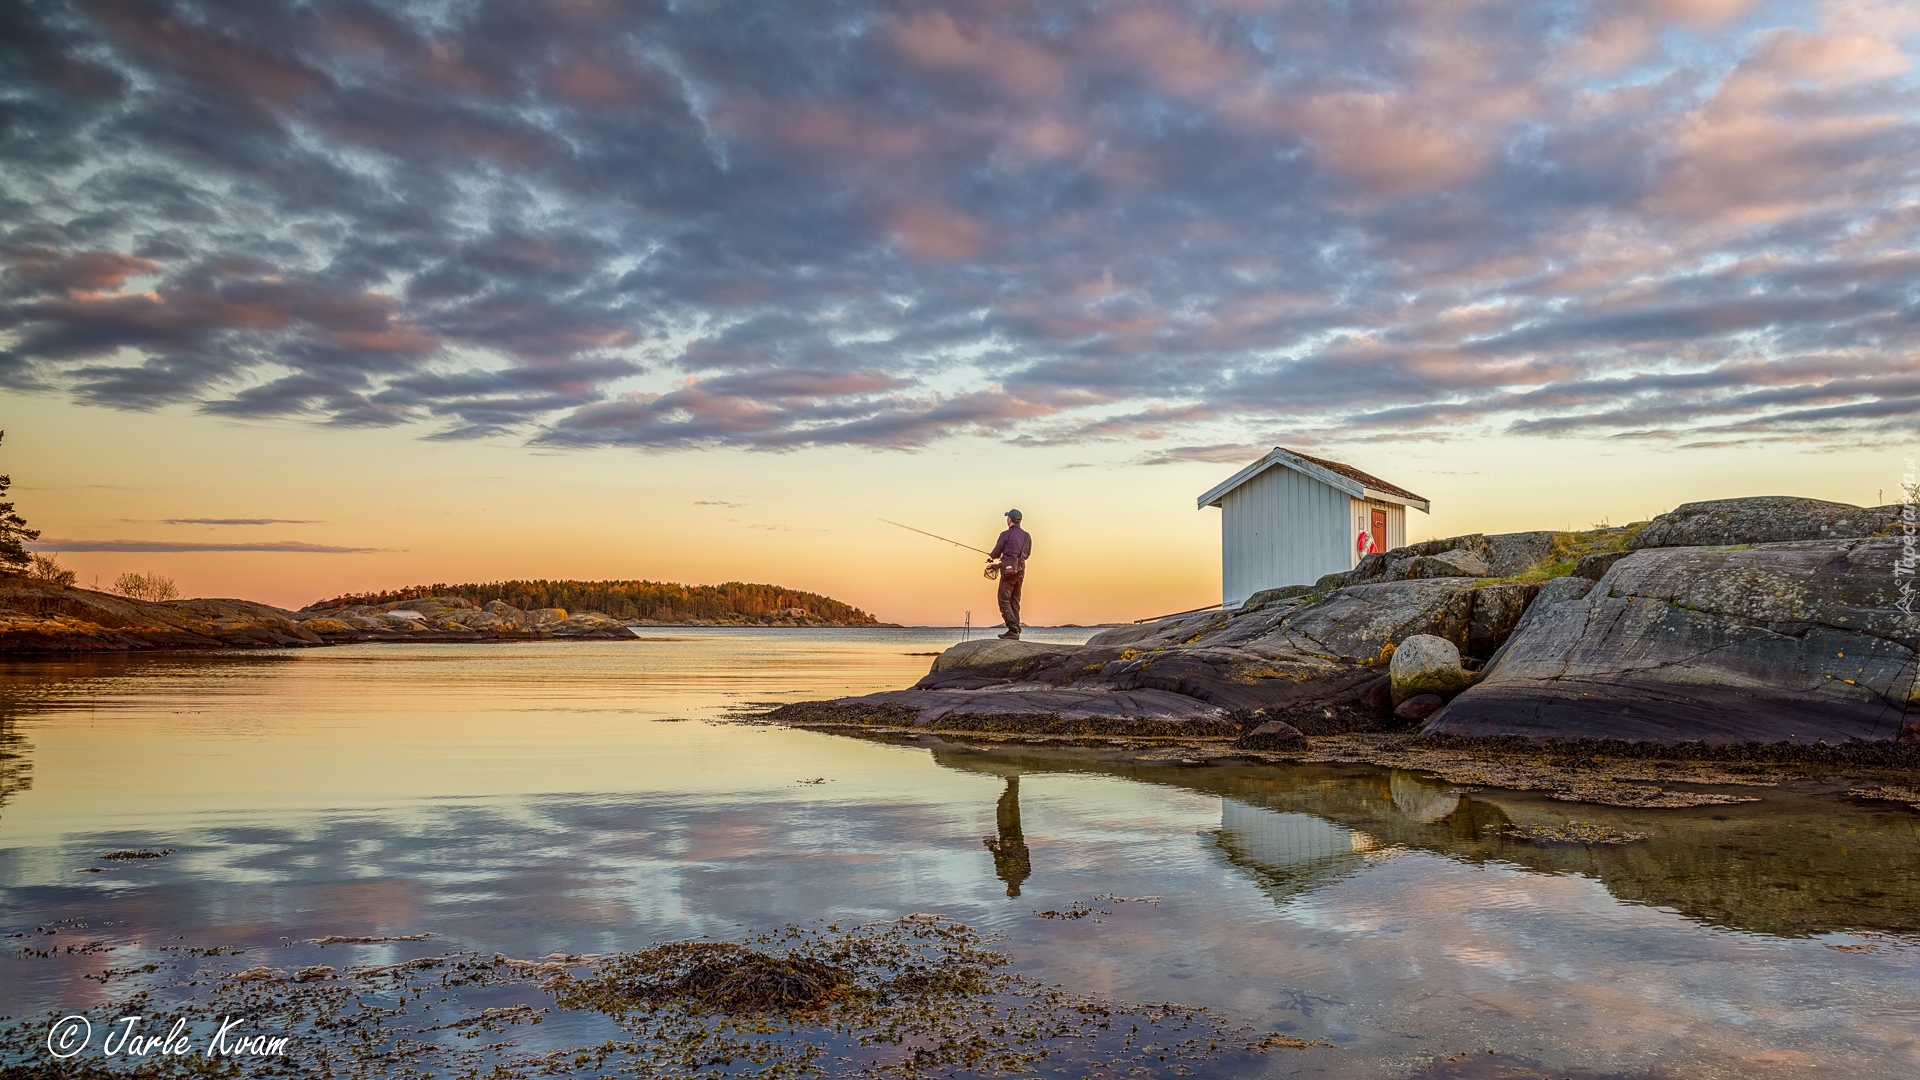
494	820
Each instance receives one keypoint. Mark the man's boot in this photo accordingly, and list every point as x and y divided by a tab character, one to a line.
1012	634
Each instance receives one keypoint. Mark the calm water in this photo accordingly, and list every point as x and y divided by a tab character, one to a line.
573	797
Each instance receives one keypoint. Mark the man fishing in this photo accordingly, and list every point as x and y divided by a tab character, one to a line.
1011	551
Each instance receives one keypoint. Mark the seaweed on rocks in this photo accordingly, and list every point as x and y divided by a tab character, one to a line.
1850	754
1325	718
1573	832
918	996
834	713
922	995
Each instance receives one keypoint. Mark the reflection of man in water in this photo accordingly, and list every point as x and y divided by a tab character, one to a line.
1010	863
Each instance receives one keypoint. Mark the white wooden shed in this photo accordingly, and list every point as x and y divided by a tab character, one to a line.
1291	518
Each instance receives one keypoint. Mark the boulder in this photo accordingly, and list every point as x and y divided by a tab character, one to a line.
1425	664
1419	706
1272	735
1763	519
544	616
1786	642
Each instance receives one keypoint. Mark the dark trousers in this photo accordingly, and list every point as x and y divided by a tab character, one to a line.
1010	598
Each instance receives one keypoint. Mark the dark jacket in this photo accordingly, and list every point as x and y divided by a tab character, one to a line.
1013	549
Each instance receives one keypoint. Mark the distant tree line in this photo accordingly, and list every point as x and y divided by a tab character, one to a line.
14	558
658	601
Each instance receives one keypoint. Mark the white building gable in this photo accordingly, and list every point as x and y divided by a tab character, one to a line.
1290	519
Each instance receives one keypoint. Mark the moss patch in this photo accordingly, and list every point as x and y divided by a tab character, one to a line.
1568	548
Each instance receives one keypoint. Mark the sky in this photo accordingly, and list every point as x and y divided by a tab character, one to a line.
302	299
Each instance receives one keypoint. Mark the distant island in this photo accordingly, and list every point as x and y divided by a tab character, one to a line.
643	603
39	615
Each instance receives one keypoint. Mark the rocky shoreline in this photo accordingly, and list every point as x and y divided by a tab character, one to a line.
1763	632
40	618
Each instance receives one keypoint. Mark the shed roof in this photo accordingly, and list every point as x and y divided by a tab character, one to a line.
1334	474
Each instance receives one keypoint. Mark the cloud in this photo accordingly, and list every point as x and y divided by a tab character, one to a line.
1217	454
932	232
1148	222
295	546
240	521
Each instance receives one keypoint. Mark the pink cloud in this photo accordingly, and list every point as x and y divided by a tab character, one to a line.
83	271
1385	143
1177	56
598	85
935	232
934	41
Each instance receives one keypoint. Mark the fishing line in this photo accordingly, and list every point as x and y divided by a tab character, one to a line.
992	571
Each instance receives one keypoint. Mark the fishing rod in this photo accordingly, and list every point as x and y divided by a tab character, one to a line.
992	570
937	536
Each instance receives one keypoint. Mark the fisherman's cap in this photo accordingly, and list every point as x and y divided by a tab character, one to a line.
1014	514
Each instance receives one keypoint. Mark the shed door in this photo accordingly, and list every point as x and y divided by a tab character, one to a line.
1379	529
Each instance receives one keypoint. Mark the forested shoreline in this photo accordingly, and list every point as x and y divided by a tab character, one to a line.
649	601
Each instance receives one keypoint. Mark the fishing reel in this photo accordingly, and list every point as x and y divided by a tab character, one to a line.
992	572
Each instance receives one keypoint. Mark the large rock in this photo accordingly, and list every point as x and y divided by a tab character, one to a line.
1497	609
1594	567
1288	653
1512	553
1787	642
1356	623
504	611
1460	562
1410	562
1424	664
591	624
1763	519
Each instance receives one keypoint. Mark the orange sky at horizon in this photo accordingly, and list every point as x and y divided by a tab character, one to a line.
1115	540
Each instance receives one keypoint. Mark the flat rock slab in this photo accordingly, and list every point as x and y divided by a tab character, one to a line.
935	706
1790	642
1764	519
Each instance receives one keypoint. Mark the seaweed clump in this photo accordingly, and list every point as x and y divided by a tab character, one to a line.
730	978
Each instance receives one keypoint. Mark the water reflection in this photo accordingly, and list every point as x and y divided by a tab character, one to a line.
1289	853
1011	863
520	800
1803	860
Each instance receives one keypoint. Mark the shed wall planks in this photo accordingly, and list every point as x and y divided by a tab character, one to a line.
1284	528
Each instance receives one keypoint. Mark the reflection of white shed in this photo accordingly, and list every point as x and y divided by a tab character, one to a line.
1289	519
1290	853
